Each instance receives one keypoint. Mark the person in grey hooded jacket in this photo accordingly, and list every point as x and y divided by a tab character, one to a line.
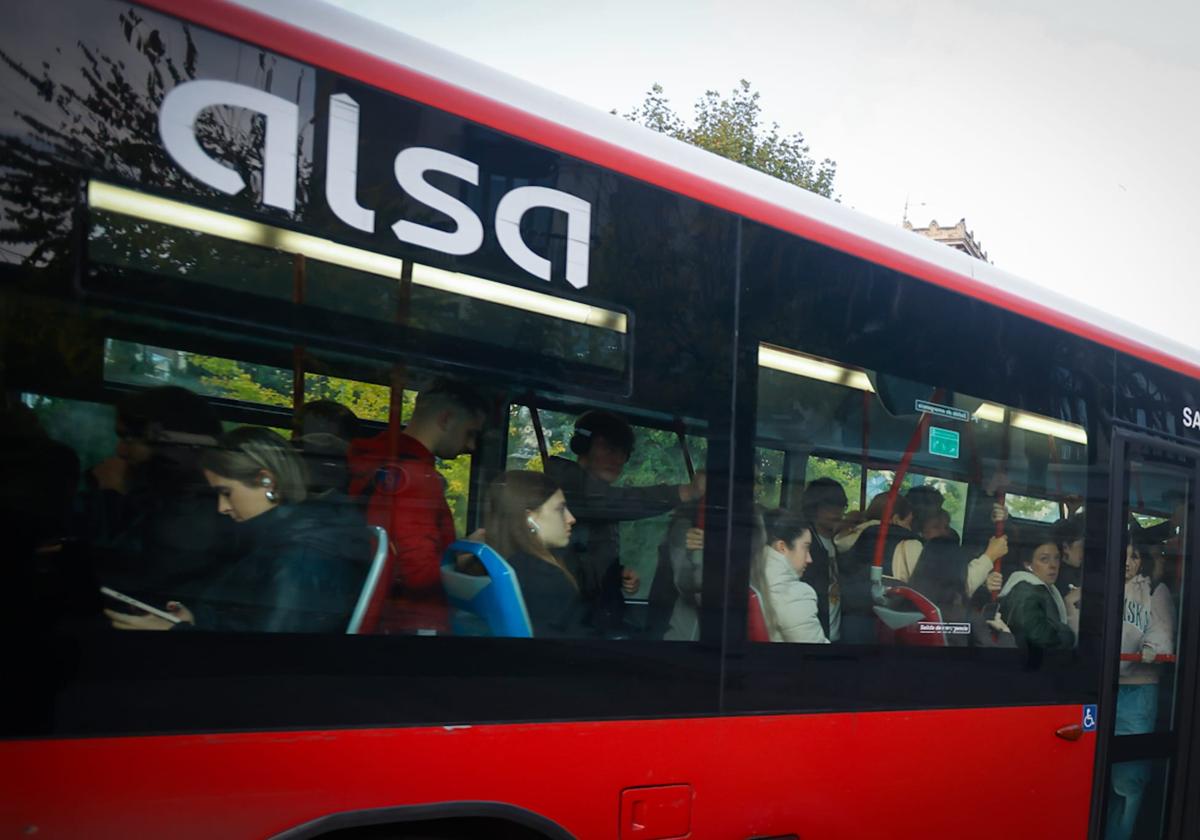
789	604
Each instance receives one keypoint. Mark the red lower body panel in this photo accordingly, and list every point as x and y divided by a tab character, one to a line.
931	775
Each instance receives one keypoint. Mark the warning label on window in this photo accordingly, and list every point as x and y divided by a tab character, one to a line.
950	628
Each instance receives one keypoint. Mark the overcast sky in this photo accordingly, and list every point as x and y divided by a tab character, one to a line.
1065	132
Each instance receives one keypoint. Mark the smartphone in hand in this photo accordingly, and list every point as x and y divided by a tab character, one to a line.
134	602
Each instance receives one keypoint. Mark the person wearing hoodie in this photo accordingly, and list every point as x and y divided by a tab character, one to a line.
1030	606
300	566
789	604
1148	630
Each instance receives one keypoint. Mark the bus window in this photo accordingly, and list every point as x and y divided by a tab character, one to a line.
1032	509
769	476
847	474
644	548
932	558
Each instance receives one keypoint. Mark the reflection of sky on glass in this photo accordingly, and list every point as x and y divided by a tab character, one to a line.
1064	132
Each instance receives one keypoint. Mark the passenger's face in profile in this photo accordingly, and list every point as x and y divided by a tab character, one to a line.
554	521
1044	564
460	434
797	554
1074	555
828	517
1133	563
605	461
132	447
236	500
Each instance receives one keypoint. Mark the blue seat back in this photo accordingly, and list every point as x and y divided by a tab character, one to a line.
496	599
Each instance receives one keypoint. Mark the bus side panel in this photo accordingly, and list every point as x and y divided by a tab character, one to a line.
820	775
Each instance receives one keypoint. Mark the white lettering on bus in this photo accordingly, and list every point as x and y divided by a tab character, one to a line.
177	126
411	166
517	202
341	165
1191	417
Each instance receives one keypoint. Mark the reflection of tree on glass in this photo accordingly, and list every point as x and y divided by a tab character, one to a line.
97	108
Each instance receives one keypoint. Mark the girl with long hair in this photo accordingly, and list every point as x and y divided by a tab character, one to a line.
527	522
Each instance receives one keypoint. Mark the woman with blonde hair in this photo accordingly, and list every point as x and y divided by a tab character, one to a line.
301	564
527	521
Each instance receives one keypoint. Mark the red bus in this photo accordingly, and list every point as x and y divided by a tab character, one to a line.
267	206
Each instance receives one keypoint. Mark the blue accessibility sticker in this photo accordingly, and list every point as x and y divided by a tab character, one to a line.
1089	718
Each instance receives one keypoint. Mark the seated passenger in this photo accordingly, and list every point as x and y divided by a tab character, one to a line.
301	567
528	521
789	604
147	519
1030	605
603	442
323	431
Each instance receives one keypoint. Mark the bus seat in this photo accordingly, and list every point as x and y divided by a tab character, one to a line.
371	583
756	620
495	599
903	620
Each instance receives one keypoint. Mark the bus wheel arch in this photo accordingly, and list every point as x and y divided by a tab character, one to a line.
438	821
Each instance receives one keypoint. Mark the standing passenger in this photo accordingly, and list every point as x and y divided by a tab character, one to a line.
824	505
1148	630
405	496
1030	605
603	442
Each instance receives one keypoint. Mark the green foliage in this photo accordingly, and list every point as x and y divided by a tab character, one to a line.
733	127
846	473
1028	507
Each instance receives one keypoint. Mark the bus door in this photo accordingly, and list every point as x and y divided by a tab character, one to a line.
1148	707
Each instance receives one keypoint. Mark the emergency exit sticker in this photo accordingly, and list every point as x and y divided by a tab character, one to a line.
943	442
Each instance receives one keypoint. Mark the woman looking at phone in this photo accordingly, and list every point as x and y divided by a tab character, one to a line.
300	565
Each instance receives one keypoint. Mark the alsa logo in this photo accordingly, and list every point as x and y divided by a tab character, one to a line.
177	126
1191	418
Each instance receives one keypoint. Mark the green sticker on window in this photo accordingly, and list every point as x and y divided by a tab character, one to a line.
943	442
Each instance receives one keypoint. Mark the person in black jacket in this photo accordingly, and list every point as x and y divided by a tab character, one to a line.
300	566
603	442
527	521
824	505
145	516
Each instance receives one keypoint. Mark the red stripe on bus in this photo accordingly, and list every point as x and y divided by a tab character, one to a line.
309	47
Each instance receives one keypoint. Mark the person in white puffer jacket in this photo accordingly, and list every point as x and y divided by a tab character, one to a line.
789	604
1148	630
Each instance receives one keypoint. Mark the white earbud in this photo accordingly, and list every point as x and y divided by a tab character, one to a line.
533	526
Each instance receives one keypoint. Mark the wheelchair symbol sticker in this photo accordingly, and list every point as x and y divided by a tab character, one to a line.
1089	718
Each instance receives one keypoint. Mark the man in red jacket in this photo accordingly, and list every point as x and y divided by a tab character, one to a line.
406	496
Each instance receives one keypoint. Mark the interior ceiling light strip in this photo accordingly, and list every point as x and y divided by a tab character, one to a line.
800	364
810	367
165	211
